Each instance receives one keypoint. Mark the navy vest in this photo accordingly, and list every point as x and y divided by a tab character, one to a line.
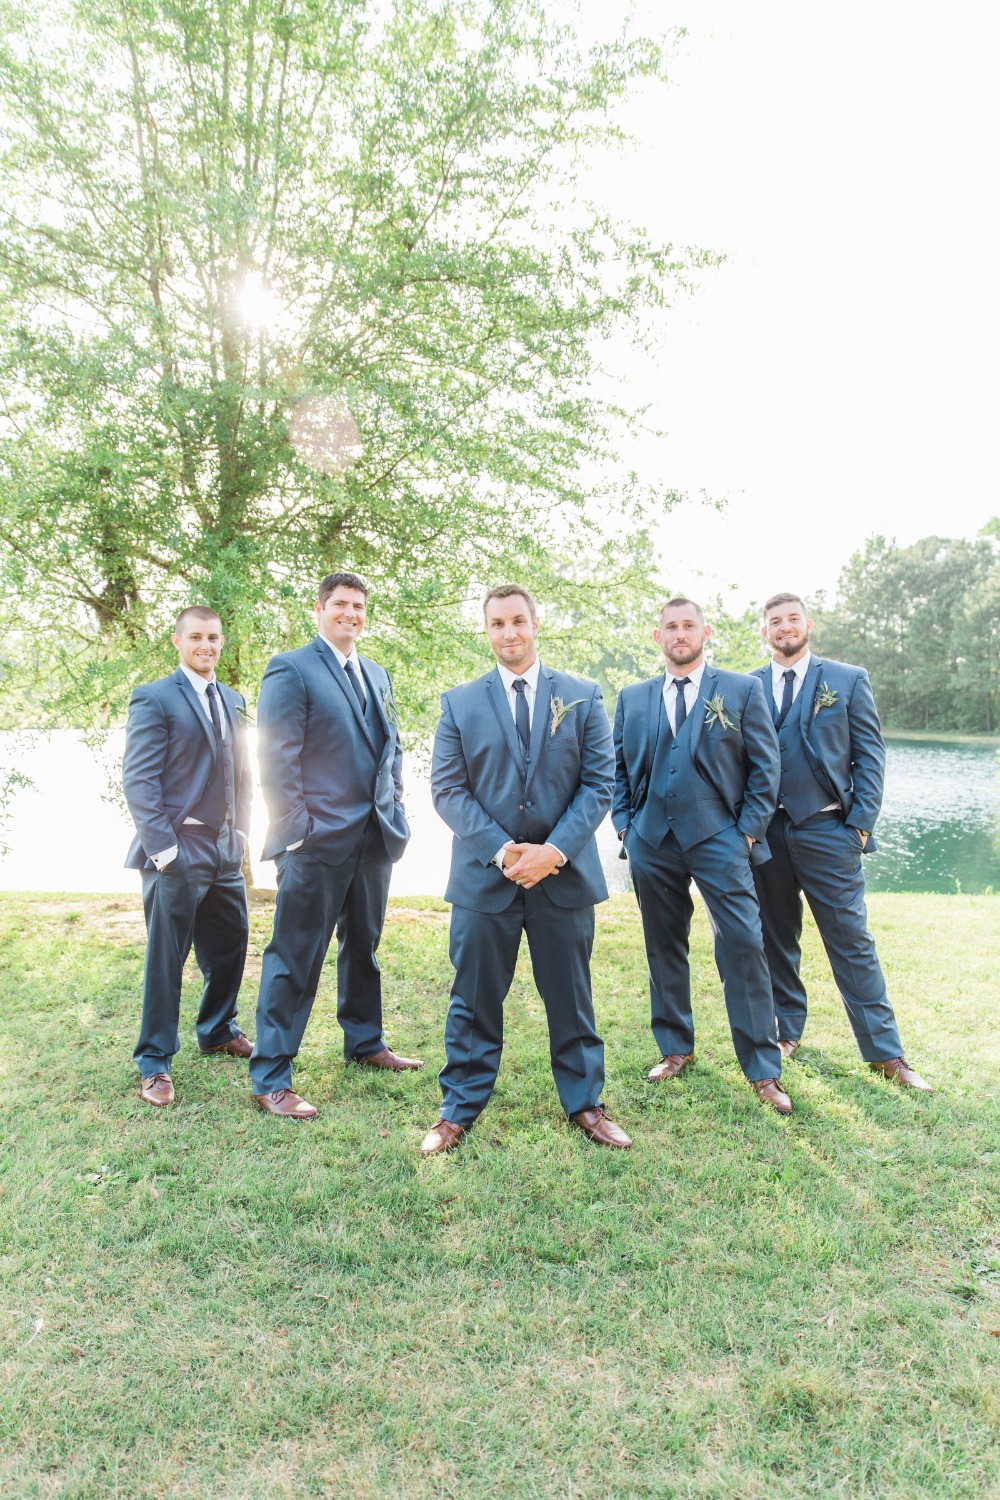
799	792
679	800
218	800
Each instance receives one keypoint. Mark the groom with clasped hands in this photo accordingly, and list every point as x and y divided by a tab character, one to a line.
522	774
695	788
832	770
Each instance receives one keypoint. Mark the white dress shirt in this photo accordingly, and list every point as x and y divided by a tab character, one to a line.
690	693
352	657
530	680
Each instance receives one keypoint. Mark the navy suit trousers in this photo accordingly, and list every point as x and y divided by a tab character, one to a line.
483	948
199	898
821	858
721	867
313	898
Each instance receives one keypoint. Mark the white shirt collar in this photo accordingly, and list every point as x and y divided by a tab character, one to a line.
199	683
352	655
800	668
695	678
529	678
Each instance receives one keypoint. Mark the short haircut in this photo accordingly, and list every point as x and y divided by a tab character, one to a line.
777	599
683	599
195	612
509	591
334	581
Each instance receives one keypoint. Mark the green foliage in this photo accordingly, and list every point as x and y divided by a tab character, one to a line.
215	210
925	621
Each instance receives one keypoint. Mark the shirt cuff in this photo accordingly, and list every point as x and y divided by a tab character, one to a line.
165	857
498	856
562	860
291	848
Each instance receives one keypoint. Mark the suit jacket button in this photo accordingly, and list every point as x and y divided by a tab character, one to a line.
520	807
529	804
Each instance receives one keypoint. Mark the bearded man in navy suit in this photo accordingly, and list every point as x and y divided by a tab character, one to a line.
187	781
522	774
331	773
695	787
832	771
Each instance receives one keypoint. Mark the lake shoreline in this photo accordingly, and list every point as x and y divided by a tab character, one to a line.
941	737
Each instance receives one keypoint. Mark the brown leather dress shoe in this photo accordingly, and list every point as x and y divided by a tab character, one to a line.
237	1046
157	1089
898	1070
769	1091
669	1067
387	1059
788	1048
596	1124
287	1104
443	1137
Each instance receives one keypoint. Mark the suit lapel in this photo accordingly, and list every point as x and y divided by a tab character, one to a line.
191	698
340	678
498	698
708	683
654	718
539	721
807	694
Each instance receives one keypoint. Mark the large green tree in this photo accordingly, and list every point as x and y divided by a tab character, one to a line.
231	228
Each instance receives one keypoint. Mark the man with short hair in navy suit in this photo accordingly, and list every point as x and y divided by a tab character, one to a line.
522	774
186	777
832	770
331	773
695	787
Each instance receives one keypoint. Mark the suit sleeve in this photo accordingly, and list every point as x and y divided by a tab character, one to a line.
244	770
281	724
761	742
621	802
589	807
452	793
147	738
867	754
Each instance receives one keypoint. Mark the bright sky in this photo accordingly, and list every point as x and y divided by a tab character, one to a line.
838	377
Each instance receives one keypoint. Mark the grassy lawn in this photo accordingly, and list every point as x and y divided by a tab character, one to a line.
207	1302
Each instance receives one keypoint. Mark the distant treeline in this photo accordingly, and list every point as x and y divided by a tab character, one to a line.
925	621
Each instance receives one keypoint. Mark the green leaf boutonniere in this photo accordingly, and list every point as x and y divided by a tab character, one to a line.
825	698
560	710
243	718
715	713
388	707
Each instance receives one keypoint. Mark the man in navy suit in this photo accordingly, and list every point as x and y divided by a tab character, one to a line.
331	772
695	787
832	770
522	773
187	782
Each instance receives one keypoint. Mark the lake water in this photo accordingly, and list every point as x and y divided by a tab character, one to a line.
939	829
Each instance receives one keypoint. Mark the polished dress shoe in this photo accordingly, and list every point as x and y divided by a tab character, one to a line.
769	1091
787	1048
443	1137
387	1059
287	1104
898	1070
237	1046
596	1124
669	1067
157	1089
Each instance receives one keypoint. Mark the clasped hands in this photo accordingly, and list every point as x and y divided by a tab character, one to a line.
527	864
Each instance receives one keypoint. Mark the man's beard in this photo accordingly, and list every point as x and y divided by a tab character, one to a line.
791	648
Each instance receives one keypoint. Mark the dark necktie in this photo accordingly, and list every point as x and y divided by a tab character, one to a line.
355	682
786	698
680	713
521	718
215	710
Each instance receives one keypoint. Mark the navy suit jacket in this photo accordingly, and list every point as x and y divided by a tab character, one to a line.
740	763
320	772
841	741
169	759
487	795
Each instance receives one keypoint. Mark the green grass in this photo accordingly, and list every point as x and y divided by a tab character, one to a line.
207	1302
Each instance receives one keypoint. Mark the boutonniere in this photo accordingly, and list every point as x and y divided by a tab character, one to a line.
560	710
825	698
715	713
244	719
388	707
